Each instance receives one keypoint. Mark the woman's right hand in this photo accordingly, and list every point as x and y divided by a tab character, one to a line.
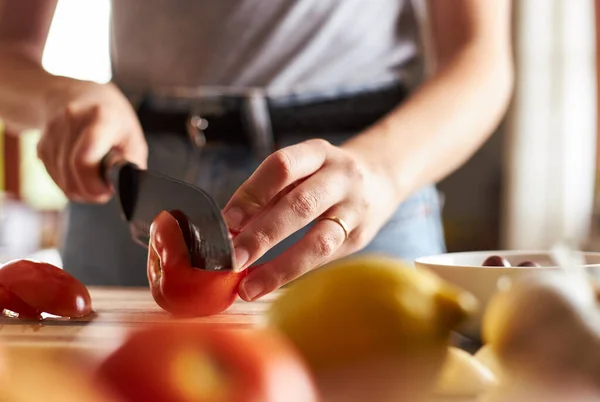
86	120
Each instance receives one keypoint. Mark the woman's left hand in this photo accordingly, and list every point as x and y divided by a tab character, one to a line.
295	186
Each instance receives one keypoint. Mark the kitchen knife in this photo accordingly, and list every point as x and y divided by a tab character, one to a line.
143	194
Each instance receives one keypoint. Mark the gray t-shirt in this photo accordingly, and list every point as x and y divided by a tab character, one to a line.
278	45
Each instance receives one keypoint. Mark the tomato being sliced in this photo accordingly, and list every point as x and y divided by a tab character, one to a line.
194	362
30	288
176	285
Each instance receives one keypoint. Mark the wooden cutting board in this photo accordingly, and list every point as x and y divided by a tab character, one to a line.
117	310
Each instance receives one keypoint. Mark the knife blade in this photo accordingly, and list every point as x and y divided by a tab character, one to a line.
143	194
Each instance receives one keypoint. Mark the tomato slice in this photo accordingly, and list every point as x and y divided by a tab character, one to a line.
177	286
44	288
12	302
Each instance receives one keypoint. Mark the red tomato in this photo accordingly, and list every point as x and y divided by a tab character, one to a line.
44	288
12	302
187	362
176	285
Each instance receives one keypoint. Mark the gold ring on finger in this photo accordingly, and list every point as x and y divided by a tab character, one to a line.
340	222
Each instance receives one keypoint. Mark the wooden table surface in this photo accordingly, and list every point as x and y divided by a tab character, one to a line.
116	311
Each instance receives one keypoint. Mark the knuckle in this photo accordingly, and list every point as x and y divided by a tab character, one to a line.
304	203
282	163
283	277
70	110
262	239
97	111
325	244
354	170
320	143
358	239
361	205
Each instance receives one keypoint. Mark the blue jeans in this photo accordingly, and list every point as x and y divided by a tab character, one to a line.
98	248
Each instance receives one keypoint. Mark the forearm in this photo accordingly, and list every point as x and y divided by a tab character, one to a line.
24	84
25	88
443	123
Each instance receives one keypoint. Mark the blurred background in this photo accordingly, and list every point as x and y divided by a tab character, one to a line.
532	183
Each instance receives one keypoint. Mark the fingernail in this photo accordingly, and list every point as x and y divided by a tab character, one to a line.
252	289
241	257
234	217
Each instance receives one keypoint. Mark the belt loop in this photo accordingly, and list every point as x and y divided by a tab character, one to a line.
256	116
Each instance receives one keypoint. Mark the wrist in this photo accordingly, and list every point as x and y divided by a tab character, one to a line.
370	151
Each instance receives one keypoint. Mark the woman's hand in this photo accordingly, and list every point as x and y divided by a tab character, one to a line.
290	189
84	121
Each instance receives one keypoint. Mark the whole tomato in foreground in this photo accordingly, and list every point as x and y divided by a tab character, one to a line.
30	288
192	362
176	285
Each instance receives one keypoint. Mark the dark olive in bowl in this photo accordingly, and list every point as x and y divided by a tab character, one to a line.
496	261
530	264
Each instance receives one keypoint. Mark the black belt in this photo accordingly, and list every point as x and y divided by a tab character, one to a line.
341	114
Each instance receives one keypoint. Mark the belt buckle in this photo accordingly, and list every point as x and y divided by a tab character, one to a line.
195	126
197	123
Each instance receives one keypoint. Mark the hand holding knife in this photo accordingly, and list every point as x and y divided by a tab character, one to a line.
143	194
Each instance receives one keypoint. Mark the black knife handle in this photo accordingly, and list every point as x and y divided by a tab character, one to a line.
110	166
122	176
106	165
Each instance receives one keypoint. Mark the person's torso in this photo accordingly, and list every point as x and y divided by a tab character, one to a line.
274	44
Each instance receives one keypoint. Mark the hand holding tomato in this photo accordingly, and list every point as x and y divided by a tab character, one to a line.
300	185
177	286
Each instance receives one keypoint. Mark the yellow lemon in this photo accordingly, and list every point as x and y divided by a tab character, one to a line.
364	310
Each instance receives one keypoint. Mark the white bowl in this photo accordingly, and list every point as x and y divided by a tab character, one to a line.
464	269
